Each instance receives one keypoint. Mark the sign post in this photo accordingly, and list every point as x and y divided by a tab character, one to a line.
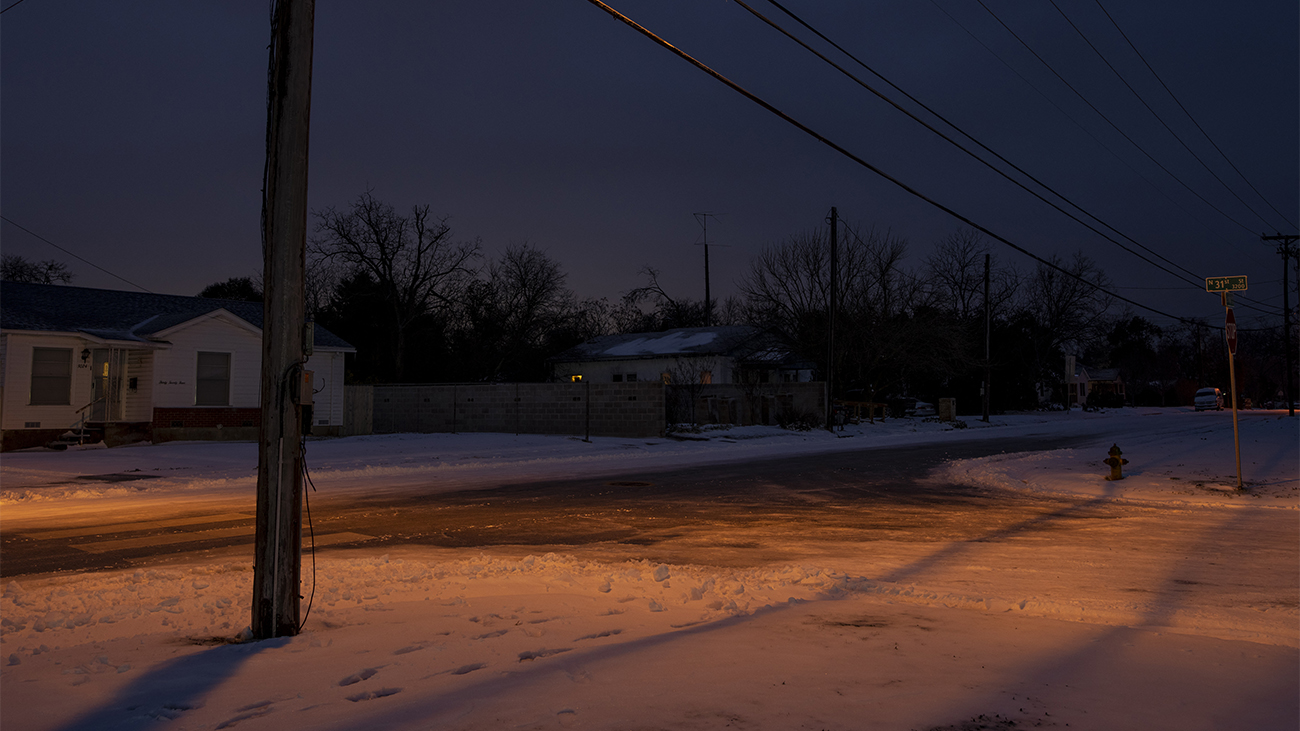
1225	286
1230	332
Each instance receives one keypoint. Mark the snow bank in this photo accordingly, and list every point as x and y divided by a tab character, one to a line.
1190	460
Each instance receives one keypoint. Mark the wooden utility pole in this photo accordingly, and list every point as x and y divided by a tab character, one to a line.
278	549
830	322
988	351
1284	248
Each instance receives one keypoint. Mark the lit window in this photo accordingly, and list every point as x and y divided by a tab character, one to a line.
706	377
575	379
212	384
51	376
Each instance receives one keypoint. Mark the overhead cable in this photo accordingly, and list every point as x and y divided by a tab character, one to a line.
1114	126
1196	281
904	186
1154	113
11	222
1177	101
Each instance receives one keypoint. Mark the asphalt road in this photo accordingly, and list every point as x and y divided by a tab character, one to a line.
729	514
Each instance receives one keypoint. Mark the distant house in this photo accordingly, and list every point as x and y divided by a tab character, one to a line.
1097	383
128	366
707	355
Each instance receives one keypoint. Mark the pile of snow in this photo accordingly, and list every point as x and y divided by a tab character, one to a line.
1192	463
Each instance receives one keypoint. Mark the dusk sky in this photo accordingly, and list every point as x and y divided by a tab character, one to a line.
133	133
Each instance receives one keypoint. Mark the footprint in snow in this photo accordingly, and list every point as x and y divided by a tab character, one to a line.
256	710
466	669
538	654
490	635
411	648
371	695
355	678
598	635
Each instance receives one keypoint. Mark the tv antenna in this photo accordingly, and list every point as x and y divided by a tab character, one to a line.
703	220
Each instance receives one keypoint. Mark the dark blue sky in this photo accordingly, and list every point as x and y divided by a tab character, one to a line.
132	133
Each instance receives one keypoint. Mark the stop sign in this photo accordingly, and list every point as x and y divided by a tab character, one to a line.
1230	330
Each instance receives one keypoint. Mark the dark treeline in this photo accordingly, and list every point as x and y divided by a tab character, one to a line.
421	305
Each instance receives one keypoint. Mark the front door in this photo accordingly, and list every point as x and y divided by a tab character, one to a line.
108	367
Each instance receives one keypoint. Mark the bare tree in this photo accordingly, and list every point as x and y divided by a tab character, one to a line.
412	259
687	378
511	312
667	311
955	276
15	268
235	288
1069	302
883	334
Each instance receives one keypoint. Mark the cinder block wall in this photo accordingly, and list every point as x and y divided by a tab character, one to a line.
605	409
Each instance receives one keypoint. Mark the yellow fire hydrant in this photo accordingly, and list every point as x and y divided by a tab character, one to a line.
1116	463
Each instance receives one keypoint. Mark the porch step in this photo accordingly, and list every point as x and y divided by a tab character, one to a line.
72	437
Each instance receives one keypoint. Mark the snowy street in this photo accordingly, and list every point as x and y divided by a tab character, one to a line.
903	575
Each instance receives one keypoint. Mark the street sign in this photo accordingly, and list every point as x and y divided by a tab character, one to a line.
1225	284
1230	331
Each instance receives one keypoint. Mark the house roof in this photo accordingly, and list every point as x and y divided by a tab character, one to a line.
740	342
115	315
1104	374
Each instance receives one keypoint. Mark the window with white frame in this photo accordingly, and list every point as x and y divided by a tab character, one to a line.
212	382
51	376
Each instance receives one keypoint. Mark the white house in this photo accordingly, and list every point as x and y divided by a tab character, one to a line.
1094	382
128	366
723	354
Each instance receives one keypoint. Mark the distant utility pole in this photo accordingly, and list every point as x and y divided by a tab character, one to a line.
278	539
703	220
1284	243
834	221
988	352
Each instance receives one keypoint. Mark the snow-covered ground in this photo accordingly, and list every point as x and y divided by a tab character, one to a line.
440	638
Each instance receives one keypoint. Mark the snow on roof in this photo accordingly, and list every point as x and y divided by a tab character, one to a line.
665	344
735	341
118	315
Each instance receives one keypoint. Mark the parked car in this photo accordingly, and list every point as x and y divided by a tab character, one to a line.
1208	398
924	408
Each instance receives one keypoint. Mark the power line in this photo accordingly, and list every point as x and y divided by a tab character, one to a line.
1078	124
1107	119
1160	119
11	222
10	6
815	135
1198	281
1189	115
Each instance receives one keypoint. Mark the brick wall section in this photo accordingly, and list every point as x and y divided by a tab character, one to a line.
615	409
206	417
